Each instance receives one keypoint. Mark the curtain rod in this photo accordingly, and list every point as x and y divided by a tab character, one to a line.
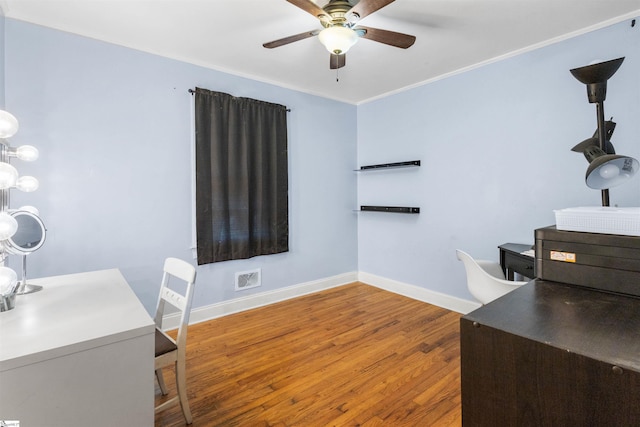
191	91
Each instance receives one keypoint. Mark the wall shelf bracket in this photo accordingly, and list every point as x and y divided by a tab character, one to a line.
382	166
392	209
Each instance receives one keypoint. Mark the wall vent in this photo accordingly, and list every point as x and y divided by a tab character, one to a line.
248	279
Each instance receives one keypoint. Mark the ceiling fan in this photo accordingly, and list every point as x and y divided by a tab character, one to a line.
339	19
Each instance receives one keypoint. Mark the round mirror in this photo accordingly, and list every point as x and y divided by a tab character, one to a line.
30	235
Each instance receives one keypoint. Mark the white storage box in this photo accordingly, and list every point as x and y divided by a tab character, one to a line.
600	219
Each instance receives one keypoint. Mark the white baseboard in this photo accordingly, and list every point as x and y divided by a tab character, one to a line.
418	293
236	305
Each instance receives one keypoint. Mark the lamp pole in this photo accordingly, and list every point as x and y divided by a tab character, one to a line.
602	140
595	76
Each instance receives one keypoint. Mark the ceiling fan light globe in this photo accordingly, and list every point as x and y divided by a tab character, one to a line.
338	40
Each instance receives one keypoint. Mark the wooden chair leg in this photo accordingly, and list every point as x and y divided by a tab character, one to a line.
160	378
182	390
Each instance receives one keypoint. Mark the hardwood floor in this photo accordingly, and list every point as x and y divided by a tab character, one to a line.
349	356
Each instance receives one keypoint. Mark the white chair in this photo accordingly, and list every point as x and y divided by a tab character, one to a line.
169	351
485	279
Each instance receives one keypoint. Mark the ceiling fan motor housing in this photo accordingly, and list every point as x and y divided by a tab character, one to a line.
338	14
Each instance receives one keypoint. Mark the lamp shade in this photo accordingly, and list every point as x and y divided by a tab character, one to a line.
595	76
337	39
597	73
610	170
8	124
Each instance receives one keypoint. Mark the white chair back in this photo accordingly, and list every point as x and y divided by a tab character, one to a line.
174	267
485	279
169	351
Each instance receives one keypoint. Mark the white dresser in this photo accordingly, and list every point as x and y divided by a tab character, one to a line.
78	353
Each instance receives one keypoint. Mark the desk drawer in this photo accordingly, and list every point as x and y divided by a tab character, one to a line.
520	264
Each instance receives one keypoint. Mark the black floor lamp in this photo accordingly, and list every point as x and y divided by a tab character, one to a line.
606	169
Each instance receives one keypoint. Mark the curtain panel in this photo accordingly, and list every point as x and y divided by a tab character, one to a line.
241	177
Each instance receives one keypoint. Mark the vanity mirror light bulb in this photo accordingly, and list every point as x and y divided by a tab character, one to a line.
8	124
8	280
28	153
8	226
8	176
27	184
30	209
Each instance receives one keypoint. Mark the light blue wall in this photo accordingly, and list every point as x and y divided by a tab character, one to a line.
495	148
113	126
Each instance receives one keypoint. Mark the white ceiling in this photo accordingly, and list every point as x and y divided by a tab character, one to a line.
227	35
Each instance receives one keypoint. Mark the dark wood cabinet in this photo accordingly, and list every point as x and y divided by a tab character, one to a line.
549	354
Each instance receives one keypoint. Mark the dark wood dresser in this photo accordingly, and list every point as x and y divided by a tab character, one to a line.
550	354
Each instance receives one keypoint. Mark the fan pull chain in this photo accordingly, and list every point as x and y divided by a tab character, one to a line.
337	75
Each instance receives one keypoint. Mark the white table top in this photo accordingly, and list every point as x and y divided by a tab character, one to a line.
72	313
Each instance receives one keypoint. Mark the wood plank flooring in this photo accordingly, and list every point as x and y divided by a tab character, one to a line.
349	356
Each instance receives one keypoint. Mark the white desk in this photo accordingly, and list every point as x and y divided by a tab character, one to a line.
78	353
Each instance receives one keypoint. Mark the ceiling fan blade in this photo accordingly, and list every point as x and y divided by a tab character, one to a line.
309	7
337	61
290	39
367	7
387	37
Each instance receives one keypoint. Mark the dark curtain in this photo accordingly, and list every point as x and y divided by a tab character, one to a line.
241	177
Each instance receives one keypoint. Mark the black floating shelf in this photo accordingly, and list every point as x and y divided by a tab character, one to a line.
393	209
411	163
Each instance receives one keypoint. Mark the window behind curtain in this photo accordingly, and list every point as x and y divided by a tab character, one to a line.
241	177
